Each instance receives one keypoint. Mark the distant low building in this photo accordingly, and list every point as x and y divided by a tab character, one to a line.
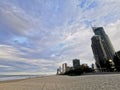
93	66
59	71
85	65
69	69
63	69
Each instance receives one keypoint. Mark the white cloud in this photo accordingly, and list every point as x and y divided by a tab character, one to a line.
8	52
114	33
4	66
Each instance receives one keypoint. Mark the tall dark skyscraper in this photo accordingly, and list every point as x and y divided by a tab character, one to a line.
102	49
100	31
99	51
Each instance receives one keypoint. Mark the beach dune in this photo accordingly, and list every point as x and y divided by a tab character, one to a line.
56	82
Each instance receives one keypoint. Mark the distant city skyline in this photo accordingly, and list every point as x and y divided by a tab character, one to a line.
37	36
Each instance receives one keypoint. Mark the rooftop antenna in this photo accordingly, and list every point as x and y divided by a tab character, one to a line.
92	27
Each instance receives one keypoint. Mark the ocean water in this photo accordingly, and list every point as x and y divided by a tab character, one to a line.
16	77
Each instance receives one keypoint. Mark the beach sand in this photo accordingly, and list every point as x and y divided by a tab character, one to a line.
56	82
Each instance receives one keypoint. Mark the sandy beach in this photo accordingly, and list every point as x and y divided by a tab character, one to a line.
87	82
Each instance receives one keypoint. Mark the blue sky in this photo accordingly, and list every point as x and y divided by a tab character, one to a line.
37	36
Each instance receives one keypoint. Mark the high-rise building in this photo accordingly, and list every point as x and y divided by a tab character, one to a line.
100	31
64	68
76	63
118	53
99	51
117	60
59	70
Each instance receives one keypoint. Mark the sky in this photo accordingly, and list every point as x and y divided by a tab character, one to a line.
37	36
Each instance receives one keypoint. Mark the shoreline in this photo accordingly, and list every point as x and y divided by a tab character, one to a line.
84	74
20	79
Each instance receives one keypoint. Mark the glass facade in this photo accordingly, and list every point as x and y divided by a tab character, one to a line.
100	31
99	51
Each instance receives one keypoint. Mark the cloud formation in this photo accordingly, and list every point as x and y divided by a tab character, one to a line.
39	35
